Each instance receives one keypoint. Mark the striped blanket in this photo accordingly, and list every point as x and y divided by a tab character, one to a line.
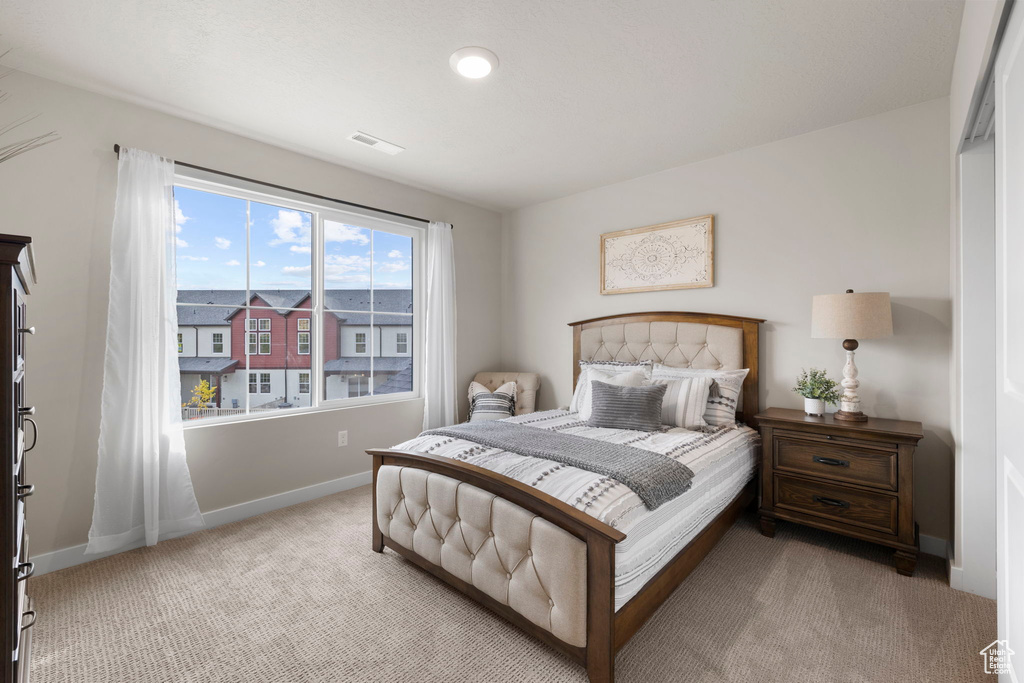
598	495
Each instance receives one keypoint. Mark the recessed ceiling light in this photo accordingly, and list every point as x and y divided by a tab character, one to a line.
473	62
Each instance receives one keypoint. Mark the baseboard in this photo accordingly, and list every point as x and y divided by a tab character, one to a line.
930	545
69	557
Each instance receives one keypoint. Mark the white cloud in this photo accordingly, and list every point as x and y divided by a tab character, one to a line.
179	216
296	270
181	242
222	243
260	264
194	258
301	250
232	262
393	266
290	227
347	279
339	232
394	253
338	268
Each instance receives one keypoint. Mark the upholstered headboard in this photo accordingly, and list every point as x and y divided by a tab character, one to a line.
684	340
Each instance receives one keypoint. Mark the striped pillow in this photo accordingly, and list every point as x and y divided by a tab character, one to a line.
591	370
622	379
485	406
637	408
725	397
686	400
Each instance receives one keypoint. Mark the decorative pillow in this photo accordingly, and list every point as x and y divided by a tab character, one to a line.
686	401
725	396
485	406
634	378
606	368
621	407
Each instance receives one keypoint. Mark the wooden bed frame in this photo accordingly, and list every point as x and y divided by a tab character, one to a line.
607	630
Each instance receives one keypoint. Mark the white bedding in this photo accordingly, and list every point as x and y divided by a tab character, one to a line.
722	460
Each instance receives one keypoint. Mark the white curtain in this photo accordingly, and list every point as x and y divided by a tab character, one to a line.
440	402
143	488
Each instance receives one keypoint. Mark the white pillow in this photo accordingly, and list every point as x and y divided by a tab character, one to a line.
725	396
583	396
685	401
605	367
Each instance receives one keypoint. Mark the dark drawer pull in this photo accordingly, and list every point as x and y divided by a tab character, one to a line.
29	569
35	434
831	461
831	501
31	613
27	330
26	410
26	490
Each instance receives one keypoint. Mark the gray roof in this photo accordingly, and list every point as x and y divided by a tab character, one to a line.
399	382
388	300
362	364
206	365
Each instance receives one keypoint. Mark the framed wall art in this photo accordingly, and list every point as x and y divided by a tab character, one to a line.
676	255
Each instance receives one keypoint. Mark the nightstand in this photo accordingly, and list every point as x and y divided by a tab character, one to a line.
853	478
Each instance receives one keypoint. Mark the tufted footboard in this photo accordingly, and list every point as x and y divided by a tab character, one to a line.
516	557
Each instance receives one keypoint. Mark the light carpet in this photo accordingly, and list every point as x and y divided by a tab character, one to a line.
297	595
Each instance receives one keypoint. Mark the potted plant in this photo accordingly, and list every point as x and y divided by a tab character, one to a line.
817	389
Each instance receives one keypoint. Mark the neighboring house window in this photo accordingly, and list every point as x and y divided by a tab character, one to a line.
245	258
358	386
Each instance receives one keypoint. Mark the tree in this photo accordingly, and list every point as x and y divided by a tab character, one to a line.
202	394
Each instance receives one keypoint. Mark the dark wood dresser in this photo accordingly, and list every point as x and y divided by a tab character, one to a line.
853	478
19	436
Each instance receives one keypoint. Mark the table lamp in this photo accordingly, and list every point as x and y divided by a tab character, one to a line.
851	316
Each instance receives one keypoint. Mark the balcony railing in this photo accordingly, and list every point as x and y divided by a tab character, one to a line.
201	413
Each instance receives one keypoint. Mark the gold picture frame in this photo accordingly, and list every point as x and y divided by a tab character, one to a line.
675	255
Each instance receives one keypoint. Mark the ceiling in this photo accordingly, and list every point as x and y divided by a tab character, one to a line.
588	92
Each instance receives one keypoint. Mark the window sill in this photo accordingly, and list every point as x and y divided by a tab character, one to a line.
333	405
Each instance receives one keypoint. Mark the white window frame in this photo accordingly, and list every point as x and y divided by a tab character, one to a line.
356	343
309	379
323	211
213	343
259	343
401	339
181	343
252	343
302	328
308	343
268	384
254	384
263	328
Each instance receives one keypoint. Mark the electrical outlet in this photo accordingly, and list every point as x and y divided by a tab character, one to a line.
342	438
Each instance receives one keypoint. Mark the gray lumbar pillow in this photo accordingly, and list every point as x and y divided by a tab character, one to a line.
616	407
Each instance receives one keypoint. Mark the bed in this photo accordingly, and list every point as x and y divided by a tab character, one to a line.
584	575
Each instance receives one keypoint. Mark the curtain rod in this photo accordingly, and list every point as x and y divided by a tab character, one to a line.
117	150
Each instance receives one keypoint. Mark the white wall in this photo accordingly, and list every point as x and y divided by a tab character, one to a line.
863	205
973	524
63	196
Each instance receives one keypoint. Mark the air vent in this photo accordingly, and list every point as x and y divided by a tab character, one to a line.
375	142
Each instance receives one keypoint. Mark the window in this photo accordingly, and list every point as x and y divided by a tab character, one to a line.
358	386
181	343
246	256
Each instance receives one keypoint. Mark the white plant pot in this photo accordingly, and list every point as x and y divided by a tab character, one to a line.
814	406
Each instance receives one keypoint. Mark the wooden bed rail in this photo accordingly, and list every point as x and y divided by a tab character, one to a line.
576	522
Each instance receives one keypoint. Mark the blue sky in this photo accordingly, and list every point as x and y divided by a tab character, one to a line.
211	248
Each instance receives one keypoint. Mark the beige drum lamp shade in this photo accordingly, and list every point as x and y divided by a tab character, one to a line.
860	315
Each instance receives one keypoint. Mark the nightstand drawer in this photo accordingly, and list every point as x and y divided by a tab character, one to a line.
836	461
876	511
836	439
